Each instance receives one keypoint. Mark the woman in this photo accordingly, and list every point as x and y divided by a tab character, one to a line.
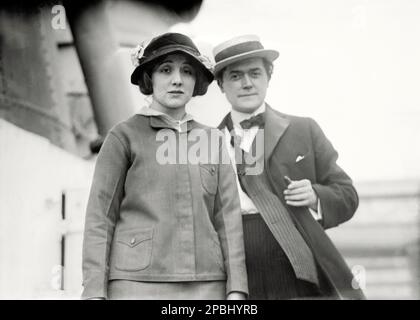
159	229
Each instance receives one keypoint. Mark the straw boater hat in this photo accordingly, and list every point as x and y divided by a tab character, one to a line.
146	55
239	48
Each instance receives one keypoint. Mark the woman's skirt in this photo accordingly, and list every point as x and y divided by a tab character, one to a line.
139	290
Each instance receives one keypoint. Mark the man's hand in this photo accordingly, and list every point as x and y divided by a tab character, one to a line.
300	193
236	296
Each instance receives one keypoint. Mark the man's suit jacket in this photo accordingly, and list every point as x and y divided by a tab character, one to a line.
297	147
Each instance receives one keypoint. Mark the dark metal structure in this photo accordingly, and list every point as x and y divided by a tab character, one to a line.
31	79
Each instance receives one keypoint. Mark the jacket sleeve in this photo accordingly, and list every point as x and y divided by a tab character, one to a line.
228	224
102	214
338	197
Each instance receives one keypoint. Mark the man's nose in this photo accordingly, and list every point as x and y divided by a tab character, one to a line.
246	82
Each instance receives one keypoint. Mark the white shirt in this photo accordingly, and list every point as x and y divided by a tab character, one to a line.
247	138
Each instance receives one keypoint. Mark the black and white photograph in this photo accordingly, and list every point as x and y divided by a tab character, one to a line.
210	150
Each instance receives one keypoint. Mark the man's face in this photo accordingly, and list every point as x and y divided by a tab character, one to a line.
245	84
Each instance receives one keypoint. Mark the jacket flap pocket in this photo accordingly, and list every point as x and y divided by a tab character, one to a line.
132	238
210	168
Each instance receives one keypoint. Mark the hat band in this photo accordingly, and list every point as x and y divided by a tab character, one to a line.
238	49
169	48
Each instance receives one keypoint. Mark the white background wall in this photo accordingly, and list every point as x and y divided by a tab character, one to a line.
352	65
33	174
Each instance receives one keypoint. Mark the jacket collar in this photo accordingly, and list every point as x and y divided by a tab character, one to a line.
159	123
160	120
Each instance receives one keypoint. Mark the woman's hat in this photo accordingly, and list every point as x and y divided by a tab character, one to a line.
239	48
168	43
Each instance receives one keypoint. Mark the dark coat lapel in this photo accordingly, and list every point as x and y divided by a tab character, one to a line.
275	126
224	122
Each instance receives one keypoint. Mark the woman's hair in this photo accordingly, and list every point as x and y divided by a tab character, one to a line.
145	79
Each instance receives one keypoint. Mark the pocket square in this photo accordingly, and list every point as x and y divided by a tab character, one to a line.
299	158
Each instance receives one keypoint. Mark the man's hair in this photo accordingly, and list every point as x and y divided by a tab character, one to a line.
268	66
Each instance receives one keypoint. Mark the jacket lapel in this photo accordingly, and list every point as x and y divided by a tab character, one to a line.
275	126
224	122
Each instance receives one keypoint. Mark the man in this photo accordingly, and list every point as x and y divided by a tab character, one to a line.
299	191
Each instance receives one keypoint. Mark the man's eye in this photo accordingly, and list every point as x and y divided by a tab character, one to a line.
255	74
234	76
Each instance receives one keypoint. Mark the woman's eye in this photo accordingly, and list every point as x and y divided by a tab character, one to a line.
165	70
188	71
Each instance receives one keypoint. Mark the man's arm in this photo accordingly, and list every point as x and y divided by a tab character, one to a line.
333	187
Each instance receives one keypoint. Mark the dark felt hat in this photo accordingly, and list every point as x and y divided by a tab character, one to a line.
169	43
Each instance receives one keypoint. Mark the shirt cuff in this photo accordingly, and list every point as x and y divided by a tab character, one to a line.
317	214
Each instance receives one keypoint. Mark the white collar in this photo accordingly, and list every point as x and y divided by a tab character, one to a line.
247	135
238	116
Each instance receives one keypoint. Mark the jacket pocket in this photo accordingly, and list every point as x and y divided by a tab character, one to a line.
209	180
302	158
133	249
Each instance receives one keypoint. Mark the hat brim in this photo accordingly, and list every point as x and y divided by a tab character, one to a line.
270	55
139	69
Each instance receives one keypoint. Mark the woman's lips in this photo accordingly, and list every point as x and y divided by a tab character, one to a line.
247	95
176	92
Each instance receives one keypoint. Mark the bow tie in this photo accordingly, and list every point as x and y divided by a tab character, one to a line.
257	120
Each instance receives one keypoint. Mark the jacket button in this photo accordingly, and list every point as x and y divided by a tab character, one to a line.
133	241
213	170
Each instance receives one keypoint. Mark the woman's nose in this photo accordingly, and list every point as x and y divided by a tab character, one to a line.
176	77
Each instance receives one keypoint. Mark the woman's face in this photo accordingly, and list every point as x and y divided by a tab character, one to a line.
173	82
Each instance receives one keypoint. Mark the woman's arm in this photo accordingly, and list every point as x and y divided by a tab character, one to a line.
102	214
228	224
